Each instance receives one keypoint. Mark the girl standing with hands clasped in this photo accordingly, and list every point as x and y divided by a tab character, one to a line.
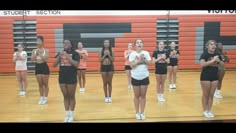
139	61
40	57
81	71
127	66
106	58
160	58
68	61
20	59
173	65
209	61
221	69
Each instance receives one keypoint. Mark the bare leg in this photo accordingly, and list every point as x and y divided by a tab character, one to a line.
104	79
143	91
137	93
71	93
206	87
211	94
109	82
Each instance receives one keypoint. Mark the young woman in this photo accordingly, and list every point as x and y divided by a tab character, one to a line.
209	61
82	66
160	58
221	69
139	61
127	66
173	65
107	69
68	61
20	59
40	57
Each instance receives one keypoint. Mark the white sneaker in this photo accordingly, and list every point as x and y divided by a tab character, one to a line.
142	116
20	93
82	89
138	116
173	86
66	118
170	86
206	114
106	100
45	100
129	88
40	100
210	114
162	98
71	118
158	98
218	95
109	100
23	93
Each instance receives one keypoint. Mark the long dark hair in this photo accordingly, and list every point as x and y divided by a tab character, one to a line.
103	48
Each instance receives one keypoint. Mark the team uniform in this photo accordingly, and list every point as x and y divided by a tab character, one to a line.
41	68
107	68
127	66
139	74
67	72
83	62
161	65
173	59
209	73
21	65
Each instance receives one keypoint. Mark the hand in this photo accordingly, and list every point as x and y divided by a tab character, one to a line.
159	58
174	52
108	52
105	52
17	54
163	56
215	58
142	56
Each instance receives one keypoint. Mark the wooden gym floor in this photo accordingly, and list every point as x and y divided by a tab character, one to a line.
182	104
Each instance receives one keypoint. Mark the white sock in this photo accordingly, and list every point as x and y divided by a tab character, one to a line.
217	91
41	97
67	113
71	113
46	98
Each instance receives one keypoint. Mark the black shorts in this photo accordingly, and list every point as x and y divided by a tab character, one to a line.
67	75
144	81
127	67
42	68
173	62
81	68
209	76
107	68
161	68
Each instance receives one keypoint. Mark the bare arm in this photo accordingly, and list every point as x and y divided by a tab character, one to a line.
73	62
133	64
33	56
111	57
154	60
14	57
85	56
101	58
56	61
167	60
204	63
148	62
126	55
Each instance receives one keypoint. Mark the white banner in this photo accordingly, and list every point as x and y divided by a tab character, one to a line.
109	12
